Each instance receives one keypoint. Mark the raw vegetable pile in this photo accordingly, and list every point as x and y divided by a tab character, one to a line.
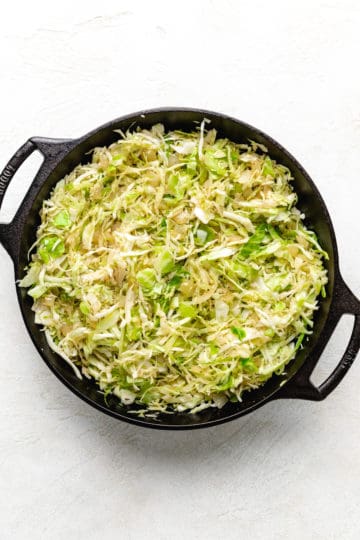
175	269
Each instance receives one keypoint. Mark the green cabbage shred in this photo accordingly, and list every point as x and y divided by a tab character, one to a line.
175	269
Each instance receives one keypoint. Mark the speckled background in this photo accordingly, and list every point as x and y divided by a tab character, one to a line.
289	470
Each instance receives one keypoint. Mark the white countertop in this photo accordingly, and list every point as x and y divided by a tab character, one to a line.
292	468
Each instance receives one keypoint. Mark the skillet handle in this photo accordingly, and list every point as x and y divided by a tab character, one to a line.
300	385
51	149
12	166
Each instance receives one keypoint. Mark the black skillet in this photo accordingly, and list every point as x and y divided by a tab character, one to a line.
62	155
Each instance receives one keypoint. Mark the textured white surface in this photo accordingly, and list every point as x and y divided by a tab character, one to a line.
289	470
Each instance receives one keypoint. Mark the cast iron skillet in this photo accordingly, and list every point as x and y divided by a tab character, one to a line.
62	155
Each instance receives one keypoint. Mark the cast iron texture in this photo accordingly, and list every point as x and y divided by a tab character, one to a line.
61	156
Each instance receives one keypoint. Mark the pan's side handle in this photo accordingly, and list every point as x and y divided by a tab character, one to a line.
300	385
12	166
51	150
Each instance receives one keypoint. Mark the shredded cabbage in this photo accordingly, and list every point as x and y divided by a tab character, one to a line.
176	270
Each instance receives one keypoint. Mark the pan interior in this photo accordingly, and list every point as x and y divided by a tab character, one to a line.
310	203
